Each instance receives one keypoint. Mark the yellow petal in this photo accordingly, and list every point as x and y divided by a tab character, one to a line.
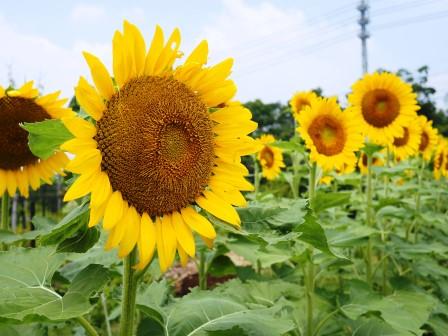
138	46
33	175
146	242
199	55
231	196
76	145
116	235
231	114
169	53
183	256
234	130
11	183
22	183
27	90
119	62
100	76
89	99
101	190
218	207
215	76
154	51
96	213
131	234
166	242
2	181
115	209
198	223
2	92
183	234
82	186
49	99
80	128
85	162
220	95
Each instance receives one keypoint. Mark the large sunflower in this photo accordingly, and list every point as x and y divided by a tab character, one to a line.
19	168
300	100
331	135
385	103
407	145
270	157
162	141
428	139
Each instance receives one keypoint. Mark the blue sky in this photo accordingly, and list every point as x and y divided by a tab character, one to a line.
279	46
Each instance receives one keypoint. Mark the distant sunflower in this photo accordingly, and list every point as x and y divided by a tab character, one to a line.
385	103
164	141
331	135
440	158
300	100
362	162
428	139
327	179
270	157
407	145
19	168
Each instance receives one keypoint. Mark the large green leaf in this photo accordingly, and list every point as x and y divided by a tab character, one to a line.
46	136
26	293
31	329
203	314
313	234
325	200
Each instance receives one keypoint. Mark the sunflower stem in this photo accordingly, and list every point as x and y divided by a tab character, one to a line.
5	211
90	330
310	272
418	198
256	176
106	314
129	295
202	271
384	236
369	217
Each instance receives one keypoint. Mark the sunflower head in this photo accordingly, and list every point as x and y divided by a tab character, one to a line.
300	100
19	167
270	157
408	144
440	158
377	161
385	104
162	142
428	138
332	136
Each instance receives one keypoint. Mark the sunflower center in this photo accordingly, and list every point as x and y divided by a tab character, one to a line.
156	140
327	134
268	156
14	151
424	141
380	108
402	141
438	161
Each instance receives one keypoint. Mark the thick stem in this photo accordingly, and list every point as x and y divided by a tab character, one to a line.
90	330
129	295
106	314
369	217
418	198
202	271
5	211
257	176
312	185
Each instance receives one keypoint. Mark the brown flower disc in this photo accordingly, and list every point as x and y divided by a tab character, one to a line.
402	141
424	141
327	134
156	140
267	155
14	151
380	108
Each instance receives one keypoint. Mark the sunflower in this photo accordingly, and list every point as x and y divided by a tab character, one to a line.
327	179
270	157
331	135
428	139
440	158
300	100
362	162
19	168
385	103
407	145
163	141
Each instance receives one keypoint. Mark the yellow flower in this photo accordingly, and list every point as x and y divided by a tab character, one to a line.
165	141
270	157
407	145
327	179
440	159
300	100
19	168
385	104
428	139
362	162
331	135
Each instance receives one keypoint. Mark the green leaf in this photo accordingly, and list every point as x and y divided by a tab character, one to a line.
80	243
68	226
32	329
203	314
45	137
42	226
151	299
313	234
374	327
26	293
371	148
325	200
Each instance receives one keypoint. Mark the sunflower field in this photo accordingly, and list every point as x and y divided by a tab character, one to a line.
177	221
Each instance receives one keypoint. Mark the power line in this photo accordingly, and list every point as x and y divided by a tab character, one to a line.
412	20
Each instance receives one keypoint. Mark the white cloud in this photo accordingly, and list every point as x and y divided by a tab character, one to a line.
278	51
83	13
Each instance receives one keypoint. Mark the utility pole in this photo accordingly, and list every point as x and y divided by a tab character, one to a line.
363	8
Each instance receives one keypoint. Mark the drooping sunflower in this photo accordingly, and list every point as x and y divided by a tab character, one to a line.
428	139
385	103
162	141
332	136
300	100
270	157
19	168
362	162
407	145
